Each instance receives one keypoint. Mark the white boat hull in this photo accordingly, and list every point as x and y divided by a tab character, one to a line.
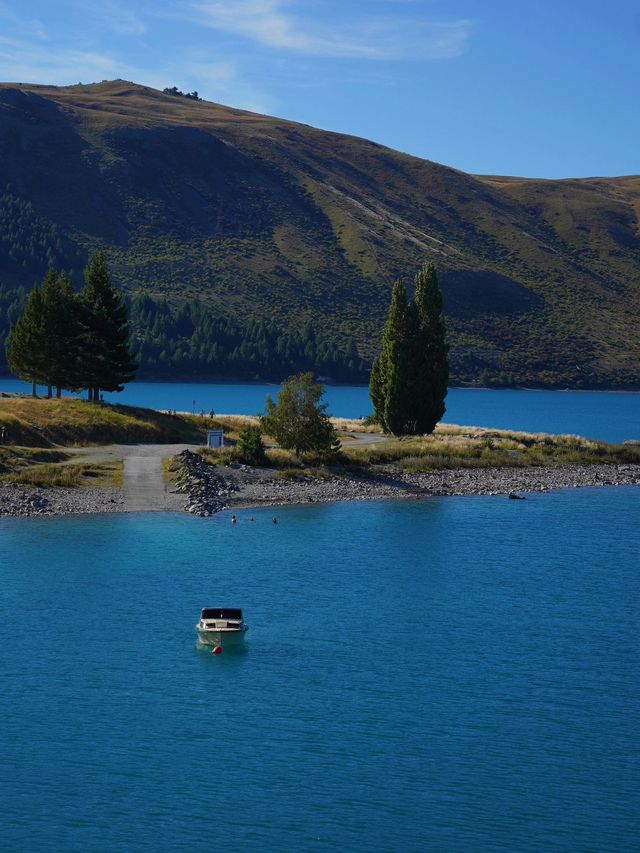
220	636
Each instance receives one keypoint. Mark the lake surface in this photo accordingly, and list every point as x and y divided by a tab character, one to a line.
595	414
449	674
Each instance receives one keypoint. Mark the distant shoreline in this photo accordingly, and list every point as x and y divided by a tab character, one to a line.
274	384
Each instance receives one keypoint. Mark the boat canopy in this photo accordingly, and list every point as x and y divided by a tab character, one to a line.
221	613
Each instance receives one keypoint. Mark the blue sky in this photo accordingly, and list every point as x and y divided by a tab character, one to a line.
538	88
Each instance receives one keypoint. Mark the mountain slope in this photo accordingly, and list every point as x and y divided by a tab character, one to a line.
259	217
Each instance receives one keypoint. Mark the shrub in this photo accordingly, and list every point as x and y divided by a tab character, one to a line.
250	448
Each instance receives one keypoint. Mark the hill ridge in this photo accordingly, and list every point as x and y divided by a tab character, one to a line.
260	217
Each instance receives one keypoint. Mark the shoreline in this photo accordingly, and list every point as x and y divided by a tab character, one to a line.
207	492
632	389
452	483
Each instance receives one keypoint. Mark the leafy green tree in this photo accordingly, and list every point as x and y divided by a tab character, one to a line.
298	421
250	446
26	344
107	362
408	382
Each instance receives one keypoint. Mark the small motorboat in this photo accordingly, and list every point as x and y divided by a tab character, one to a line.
221	626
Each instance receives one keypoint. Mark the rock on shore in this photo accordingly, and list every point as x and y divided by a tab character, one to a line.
208	489
29	500
207	492
212	488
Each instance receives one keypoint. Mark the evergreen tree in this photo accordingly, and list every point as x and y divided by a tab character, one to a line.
26	344
408	383
390	384
298	421
61	332
107	362
432	365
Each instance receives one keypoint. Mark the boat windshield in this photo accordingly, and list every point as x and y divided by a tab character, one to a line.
221	613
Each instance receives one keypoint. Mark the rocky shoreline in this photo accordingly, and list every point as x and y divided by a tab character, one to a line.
209	489
31	500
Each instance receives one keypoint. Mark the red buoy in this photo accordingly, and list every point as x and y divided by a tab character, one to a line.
217	650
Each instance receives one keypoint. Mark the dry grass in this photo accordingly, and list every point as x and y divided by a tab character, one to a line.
73	422
471	447
450	447
14	458
68	476
354	425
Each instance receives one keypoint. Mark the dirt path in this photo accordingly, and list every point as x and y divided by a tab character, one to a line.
144	488
363	439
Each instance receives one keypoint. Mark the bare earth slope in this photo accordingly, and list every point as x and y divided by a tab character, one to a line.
260	217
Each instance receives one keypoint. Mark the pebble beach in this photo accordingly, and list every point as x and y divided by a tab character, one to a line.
204	490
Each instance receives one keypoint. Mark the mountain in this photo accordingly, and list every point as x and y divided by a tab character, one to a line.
254	217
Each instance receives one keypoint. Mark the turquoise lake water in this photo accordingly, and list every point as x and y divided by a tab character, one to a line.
453	674
607	416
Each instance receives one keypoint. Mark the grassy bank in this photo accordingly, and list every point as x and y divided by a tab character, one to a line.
28	466
76	423
450	447
459	447
68	476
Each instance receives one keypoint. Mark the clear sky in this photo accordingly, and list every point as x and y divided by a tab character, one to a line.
537	88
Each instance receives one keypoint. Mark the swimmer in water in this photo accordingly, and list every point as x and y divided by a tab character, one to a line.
274	519
233	519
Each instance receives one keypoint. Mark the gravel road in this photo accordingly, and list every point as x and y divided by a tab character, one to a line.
143	489
143	484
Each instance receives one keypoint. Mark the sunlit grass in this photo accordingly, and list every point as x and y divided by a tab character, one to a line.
68	476
450	447
72	422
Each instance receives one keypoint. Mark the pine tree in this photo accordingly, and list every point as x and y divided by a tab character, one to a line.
26	344
106	359
62	332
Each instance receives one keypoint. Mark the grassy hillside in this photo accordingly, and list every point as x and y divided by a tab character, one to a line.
254	217
72	422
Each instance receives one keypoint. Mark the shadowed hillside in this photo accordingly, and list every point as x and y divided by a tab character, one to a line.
255	218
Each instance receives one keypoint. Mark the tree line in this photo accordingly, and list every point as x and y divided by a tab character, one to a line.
74	341
189	340
176	342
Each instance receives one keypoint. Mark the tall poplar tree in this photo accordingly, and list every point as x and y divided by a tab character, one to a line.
107	363
390	385
408	381
432	350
